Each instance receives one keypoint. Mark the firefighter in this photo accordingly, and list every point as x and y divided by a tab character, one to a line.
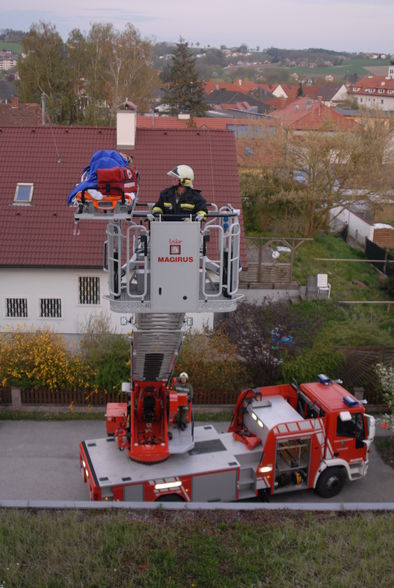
181	198
183	386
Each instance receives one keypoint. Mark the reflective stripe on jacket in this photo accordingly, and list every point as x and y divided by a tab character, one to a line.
190	202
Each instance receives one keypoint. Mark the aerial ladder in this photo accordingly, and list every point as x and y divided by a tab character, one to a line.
161	269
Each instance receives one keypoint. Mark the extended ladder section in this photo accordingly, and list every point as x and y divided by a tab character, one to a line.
156	342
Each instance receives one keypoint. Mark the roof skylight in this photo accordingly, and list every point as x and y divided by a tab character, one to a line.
23	193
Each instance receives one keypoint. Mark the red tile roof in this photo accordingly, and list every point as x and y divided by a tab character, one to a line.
41	234
307	114
20	115
244	87
173	122
373	86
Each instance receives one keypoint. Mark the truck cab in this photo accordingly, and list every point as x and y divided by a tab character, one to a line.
316	435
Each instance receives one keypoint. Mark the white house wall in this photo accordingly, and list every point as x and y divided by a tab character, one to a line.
35	284
358	229
341	94
382	103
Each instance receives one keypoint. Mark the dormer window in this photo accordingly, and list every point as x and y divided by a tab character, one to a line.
23	193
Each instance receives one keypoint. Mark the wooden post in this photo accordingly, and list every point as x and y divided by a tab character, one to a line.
16	398
260	255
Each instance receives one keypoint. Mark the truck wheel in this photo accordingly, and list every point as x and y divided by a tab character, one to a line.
170	498
331	482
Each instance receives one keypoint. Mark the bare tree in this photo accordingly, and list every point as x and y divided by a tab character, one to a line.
317	171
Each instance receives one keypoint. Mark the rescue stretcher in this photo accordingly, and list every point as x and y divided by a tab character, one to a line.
117	185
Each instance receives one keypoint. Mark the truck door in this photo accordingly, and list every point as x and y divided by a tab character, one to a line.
350	435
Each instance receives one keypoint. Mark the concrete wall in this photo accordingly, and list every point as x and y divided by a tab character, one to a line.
34	284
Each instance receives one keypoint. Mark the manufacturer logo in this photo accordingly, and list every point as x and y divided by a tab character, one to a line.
175	246
174	259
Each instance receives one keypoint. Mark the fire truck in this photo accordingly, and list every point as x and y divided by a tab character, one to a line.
281	438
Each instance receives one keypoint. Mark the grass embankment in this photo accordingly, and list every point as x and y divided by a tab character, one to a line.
353	325
213	549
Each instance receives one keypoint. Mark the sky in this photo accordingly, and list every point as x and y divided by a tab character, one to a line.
342	25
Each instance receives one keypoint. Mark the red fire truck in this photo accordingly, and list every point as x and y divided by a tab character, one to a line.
282	438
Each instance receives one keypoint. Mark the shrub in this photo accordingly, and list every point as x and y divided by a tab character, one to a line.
107	353
213	366
266	335
386	379
316	360
40	360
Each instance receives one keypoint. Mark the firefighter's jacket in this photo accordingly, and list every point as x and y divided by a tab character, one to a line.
185	388
190	202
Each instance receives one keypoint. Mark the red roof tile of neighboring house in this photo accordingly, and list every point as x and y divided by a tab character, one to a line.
307	114
245	106
244	87
16	114
373	86
173	122
41	234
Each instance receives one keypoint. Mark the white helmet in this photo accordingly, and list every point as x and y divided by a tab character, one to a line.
183	375
184	174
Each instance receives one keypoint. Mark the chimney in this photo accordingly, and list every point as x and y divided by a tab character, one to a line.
126	126
14	102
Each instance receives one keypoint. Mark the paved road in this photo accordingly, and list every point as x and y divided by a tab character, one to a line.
40	461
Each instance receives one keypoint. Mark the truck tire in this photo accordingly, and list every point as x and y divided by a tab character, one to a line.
331	482
170	498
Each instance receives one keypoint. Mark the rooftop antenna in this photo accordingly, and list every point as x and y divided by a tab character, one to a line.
43	108
44	115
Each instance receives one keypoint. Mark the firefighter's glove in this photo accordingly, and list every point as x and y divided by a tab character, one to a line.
200	216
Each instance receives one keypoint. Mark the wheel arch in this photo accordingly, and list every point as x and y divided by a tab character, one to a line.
171	497
330	463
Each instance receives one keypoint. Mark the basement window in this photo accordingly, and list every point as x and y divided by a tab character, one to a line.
16	307
50	308
23	193
89	290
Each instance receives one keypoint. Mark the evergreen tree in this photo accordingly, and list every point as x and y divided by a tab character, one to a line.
184	91
300	91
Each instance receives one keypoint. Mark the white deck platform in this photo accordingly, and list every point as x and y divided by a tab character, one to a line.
212	452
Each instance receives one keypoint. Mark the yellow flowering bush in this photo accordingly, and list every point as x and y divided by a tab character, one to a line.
41	360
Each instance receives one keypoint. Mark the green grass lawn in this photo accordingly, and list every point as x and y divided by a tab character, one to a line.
195	549
348	325
16	47
349	280
348	67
